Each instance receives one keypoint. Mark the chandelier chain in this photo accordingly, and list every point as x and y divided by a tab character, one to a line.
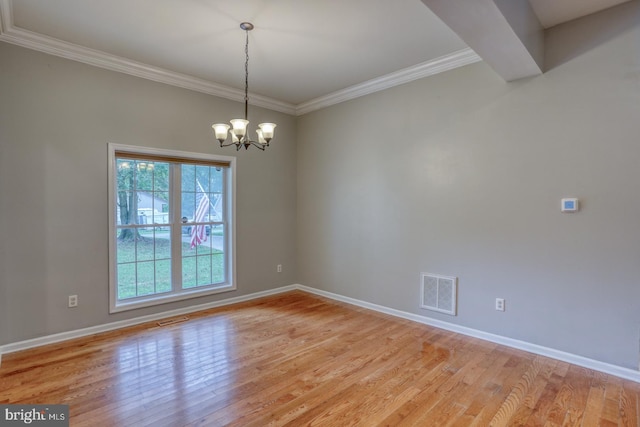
246	75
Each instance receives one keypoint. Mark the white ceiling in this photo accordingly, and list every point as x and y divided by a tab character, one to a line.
301	51
554	12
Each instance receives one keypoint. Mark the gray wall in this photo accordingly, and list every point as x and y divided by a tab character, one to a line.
457	174
462	174
56	118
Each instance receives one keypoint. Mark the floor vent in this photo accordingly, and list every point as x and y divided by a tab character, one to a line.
438	293
173	321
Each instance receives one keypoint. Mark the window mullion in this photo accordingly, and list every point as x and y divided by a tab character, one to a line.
226	192
175	195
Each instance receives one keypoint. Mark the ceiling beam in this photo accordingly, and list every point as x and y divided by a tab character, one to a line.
506	34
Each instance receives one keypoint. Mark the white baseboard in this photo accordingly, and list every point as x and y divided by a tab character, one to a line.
596	365
78	333
585	362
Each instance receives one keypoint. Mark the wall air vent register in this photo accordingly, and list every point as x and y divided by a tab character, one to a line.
438	293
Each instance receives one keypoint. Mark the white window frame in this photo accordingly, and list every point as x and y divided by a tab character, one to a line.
229	205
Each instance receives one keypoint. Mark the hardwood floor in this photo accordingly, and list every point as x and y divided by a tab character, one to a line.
296	359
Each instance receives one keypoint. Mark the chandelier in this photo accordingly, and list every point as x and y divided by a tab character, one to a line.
238	129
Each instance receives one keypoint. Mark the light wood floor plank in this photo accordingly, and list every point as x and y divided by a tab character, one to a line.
297	359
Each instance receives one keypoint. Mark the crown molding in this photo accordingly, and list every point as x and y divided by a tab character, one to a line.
31	40
406	75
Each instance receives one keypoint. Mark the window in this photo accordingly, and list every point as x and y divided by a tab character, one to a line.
171	226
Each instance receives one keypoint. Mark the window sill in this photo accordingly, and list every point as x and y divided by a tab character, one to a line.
155	300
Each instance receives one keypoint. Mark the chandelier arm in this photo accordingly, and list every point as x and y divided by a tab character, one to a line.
222	144
258	145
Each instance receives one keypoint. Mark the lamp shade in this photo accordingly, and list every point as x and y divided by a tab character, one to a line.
267	130
239	127
261	139
220	129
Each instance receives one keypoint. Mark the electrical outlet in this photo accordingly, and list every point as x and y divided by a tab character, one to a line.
279	268
73	301
500	304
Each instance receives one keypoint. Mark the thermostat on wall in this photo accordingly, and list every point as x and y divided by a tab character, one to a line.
569	205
